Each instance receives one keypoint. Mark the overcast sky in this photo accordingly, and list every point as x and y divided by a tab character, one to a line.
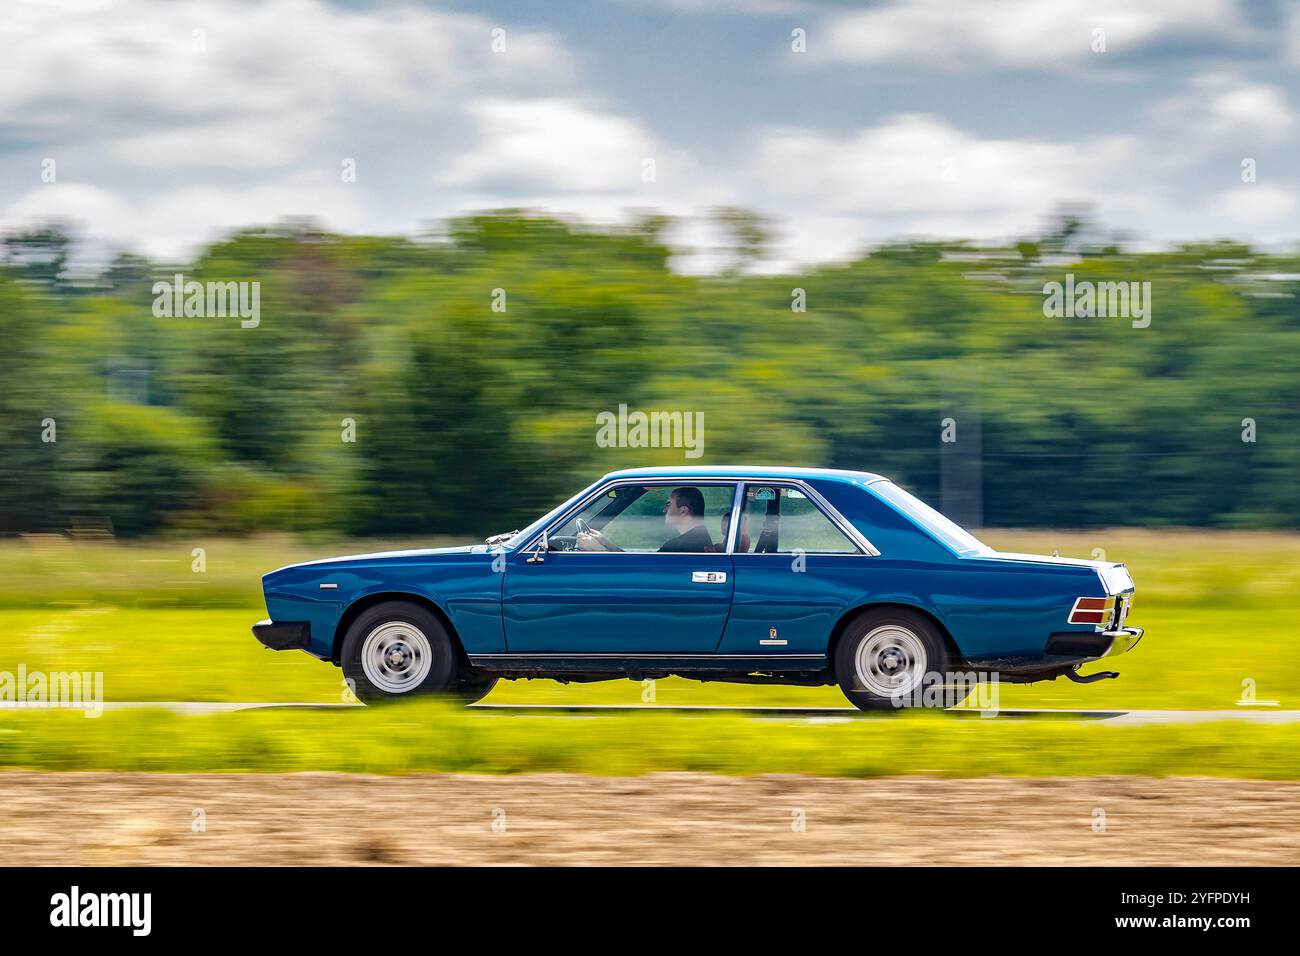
171	121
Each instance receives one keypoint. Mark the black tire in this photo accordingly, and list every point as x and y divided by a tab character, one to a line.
397	650
474	685
900	649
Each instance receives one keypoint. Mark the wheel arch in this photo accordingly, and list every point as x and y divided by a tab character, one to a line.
855	612
367	601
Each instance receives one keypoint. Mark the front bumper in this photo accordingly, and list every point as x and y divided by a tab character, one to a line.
283	635
1094	645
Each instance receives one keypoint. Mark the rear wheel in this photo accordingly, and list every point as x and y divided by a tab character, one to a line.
474	685
886	658
395	650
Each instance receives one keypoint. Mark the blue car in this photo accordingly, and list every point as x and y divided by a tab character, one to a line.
756	575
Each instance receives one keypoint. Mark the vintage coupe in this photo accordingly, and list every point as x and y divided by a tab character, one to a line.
758	575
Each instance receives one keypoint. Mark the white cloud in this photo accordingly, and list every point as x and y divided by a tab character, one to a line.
1223	106
919	175
552	145
173	119
922	168
251	142
1017	33
1253	205
96	208
168	76
177	222
165	145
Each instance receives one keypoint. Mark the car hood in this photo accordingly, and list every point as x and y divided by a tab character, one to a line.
380	556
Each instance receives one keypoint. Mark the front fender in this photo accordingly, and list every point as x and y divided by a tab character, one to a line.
468	592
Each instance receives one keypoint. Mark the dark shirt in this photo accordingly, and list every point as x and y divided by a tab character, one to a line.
697	539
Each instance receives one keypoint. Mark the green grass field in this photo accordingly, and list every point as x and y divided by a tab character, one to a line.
430	736
1219	609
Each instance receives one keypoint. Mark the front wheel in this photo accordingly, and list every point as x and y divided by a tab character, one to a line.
395	650
888	657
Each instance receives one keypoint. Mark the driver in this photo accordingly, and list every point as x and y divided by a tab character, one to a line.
683	513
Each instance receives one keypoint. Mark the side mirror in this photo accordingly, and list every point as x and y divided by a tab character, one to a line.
539	551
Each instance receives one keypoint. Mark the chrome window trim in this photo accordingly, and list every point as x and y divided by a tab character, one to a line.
828	511
866	548
733	523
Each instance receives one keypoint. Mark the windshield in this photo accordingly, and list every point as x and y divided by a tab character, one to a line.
519	537
948	532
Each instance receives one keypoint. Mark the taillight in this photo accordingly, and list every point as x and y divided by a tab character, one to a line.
1092	610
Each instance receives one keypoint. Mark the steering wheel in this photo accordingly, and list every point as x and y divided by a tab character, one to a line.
585	528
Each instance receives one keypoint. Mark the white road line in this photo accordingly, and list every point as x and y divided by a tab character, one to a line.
1113	716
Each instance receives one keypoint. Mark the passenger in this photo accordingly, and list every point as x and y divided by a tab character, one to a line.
742	539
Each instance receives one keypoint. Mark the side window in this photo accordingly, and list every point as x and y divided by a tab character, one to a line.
780	520
650	518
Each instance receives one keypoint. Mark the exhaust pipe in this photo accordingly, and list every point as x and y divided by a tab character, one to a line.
1100	675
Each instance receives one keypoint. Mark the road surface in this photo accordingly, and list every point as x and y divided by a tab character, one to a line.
1266	715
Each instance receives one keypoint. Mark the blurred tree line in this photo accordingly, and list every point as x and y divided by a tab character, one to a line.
473	419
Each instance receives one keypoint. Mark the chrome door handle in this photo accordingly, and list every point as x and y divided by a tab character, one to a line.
708	577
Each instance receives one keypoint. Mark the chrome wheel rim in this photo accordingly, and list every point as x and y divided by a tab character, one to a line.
396	657
890	661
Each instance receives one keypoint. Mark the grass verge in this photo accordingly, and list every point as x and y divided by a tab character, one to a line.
429	736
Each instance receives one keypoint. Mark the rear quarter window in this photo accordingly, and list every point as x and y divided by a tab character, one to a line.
947	531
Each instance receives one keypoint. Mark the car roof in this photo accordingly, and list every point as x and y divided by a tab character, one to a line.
744	471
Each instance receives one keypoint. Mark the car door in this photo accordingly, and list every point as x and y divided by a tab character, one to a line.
796	571
637	600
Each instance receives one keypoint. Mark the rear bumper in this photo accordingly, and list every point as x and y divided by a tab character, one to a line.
1094	645
1125	639
283	635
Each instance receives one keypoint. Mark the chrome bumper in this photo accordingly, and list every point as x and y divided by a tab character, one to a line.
1122	640
1093	645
